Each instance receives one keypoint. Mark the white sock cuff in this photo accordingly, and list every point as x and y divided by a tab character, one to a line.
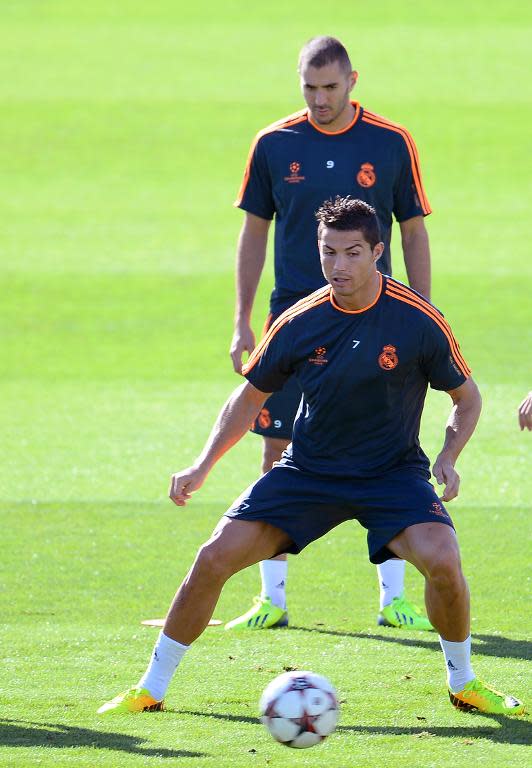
453	645
163	641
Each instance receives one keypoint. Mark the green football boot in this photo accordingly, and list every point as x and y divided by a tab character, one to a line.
402	613
263	615
481	697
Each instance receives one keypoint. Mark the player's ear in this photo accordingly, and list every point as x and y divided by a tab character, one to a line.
378	251
352	79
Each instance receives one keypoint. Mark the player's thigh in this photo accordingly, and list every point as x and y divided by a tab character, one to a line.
241	543
430	546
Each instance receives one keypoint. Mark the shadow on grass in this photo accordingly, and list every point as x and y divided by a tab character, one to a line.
483	645
510	731
21	733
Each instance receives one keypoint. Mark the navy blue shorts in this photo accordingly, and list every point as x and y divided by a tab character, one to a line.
306	506
278	413
276	418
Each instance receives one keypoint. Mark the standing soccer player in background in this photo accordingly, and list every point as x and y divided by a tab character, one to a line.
334	146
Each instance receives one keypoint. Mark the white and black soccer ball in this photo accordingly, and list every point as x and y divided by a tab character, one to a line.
299	709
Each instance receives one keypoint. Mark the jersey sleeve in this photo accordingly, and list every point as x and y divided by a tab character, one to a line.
255	194
270	365
442	360
410	198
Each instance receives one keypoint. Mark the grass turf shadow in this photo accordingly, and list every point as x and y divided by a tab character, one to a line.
511	730
22	733
483	645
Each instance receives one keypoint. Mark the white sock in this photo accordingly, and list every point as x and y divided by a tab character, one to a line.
391	580
273	574
458	663
166	655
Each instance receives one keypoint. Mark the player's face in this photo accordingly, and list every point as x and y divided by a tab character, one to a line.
348	262
326	91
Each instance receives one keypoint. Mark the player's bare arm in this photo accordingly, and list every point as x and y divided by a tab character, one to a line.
461	424
525	413
416	253
250	258
231	425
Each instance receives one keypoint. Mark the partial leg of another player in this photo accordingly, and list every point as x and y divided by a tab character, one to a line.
234	545
433	549
269	609
396	610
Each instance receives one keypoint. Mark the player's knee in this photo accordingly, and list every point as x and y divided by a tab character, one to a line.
212	563
445	570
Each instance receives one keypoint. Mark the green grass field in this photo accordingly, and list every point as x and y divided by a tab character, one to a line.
125	127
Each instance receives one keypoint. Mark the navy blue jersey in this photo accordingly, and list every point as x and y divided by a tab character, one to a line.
294	165
364	376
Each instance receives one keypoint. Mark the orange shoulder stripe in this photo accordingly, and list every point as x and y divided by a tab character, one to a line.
414	301
435	314
287	315
284	122
464	368
382	122
318	297
398	288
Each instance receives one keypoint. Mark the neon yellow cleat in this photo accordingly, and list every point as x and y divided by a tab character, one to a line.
477	695
263	615
402	613
134	700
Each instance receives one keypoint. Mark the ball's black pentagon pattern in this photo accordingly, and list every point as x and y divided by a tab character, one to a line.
299	709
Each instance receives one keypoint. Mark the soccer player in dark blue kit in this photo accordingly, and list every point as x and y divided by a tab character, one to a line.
364	349
333	146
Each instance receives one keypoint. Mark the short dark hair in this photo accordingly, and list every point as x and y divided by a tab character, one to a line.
348	214
324	50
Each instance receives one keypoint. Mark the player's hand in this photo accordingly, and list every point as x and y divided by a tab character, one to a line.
444	472
184	483
525	413
243	341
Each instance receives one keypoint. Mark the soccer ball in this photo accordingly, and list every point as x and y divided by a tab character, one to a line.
299	709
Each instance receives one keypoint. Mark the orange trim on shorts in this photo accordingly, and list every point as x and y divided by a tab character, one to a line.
403	293
284	122
382	122
313	300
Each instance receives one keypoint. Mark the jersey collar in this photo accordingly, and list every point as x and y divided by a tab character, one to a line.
357	311
343	130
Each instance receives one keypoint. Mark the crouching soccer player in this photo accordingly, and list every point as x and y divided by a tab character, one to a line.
364	348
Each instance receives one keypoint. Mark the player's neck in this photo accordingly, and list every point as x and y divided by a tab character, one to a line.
363	298
344	119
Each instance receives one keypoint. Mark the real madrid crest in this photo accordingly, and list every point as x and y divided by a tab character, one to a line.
388	358
366	176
